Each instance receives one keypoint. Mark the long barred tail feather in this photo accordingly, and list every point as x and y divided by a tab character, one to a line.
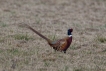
37	33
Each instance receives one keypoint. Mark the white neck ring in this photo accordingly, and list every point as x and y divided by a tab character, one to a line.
70	36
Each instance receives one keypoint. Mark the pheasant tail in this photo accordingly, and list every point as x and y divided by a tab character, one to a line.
38	33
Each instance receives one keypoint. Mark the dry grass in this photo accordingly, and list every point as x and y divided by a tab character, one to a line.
22	50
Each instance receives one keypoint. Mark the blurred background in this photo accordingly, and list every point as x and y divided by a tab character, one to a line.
23	50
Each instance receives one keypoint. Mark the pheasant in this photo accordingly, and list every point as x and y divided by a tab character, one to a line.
58	45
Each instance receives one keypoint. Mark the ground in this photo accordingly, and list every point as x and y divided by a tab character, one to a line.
23	50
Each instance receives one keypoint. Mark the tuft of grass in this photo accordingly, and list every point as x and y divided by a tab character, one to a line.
66	68
26	61
2	40
78	69
22	37
105	25
1	50
46	64
38	21
2	24
101	39
13	12
74	47
52	37
104	50
18	52
42	69
13	51
28	53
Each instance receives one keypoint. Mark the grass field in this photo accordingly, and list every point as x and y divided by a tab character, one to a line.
23	50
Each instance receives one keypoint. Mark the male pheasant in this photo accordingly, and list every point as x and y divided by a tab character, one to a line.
60	44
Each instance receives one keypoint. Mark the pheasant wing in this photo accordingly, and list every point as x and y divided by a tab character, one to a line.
59	44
